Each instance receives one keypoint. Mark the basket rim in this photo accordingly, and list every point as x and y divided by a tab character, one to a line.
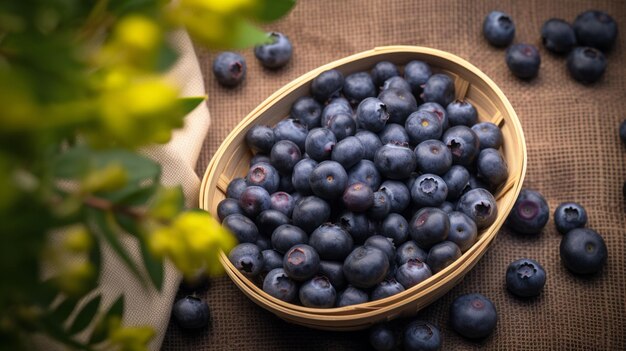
471	256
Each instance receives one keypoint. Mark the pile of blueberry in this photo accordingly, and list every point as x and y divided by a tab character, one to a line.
363	192
229	68
592	34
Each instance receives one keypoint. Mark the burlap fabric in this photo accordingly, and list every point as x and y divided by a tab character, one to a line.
574	154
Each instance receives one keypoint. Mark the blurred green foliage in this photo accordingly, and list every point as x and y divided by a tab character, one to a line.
81	88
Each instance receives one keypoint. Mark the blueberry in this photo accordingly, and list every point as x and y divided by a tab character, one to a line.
278	284
300	175
310	213
351	296
290	129
416	74
622	131
356	224
286	236
283	202
348	152
525	277
308	111
568	216
277	53
284	155
583	251
372	114
463	143
433	157
395	227
463	231
382	71
358	197
263	175
438	88
558	36
596	29
473	316
421	336
271	260
476	183
235	188
413	272
396	83
242	227
229	69
328	180
498	28
480	206
423	125
384	244
461	112
382	337
247	258
586	65
380	207
358	86
395	161
429	190
429	226
456	179
263	244
400	104
191	312
395	134
523	60
318	293
530	213
334	272
365	172
335	106
388	287
409	251
285	184
438	110
268	220
301	262
492	167
227	207
342	125
319	144
260	138
447	207
259	158
371	142
254	200
327	85
365	266
398	193
331	242
489	135
442	255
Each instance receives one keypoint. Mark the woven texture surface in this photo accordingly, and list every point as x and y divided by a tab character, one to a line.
574	154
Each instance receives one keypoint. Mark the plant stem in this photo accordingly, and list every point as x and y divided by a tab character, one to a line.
106	205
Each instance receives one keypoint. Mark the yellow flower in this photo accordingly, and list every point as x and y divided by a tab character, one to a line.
73	278
137	33
222	7
109	178
77	239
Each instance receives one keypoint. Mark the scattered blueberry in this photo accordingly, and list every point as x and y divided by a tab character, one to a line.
530	213
229	69
568	216
498	28
586	65
278	284
382	337
275	54
596	29
525	277
191	312
583	251
473	316
318	293
421	336
622	131
558	36
523	60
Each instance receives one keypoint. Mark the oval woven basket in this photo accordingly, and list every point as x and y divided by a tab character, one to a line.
231	161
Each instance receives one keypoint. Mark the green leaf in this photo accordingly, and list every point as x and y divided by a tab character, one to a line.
85	316
244	35
103	223
46	292
55	331
64	309
95	259
127	223
166	57
101	330
72	164
154	266
271	10
189	103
